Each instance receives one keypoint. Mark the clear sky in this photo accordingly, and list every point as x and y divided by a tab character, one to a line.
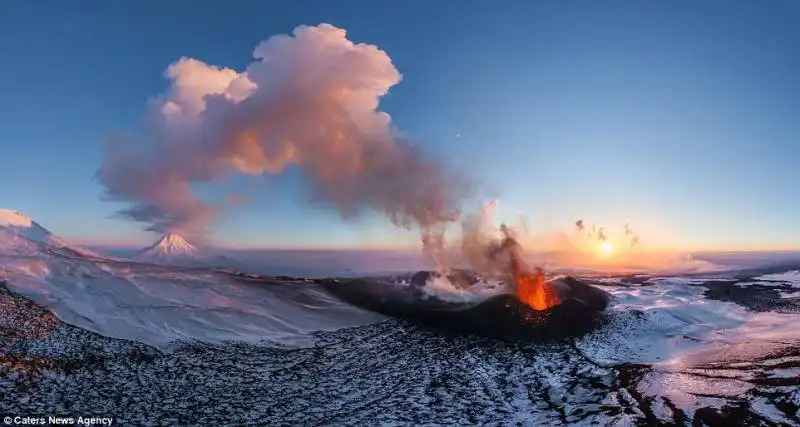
681	118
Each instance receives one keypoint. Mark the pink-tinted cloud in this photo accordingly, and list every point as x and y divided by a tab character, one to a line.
309	100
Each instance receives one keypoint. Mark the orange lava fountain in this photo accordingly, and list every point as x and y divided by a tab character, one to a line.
533	289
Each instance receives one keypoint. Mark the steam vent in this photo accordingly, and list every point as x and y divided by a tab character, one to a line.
575	307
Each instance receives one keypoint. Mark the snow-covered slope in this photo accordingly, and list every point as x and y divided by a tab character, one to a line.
159	304
20	235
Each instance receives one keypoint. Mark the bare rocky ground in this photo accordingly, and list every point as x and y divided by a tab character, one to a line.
390	373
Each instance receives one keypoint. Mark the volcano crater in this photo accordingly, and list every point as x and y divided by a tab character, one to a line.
502	316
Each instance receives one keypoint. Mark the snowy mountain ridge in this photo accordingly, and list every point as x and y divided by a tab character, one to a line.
20	235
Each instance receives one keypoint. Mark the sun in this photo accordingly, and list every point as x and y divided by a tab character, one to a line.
606	249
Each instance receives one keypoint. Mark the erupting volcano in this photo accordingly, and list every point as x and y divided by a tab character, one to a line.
533	289
532	308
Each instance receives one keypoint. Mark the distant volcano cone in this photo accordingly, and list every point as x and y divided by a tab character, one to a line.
172	249
169	248
172	243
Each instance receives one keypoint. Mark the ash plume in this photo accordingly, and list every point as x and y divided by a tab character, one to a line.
480	244
309	100
489	251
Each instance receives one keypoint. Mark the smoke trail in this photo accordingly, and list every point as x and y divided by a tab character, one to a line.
481	246
309	100
629	233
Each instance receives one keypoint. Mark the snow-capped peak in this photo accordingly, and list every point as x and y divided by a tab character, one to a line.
173	243
19	235
171	248
17	226
10	218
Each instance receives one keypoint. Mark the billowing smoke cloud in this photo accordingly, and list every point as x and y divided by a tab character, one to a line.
309	100
158	194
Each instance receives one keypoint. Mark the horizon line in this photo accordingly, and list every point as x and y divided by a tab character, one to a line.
407	248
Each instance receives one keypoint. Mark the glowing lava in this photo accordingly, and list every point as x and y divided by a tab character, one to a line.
533	289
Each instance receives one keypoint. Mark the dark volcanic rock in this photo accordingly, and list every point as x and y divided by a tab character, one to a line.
589	297
755	296
502	316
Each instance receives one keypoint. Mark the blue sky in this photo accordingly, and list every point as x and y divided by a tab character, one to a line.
681	118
